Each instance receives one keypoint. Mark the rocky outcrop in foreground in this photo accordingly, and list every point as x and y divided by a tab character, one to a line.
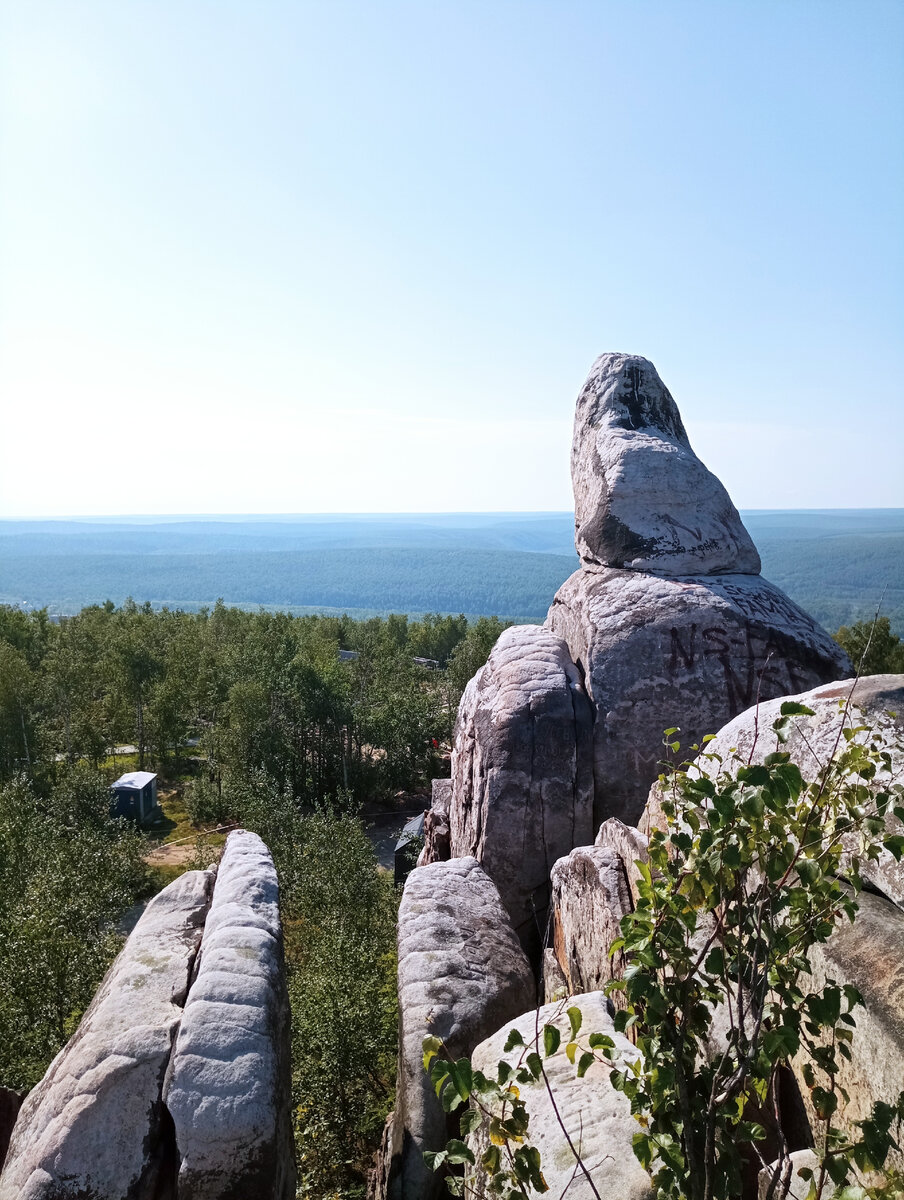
99	1125
462	974
228	1088
597	1117
875	702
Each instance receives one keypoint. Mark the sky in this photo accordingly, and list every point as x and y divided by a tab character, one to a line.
271	256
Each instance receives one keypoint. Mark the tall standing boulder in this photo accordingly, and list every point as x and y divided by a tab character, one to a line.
643	501
95	1126
667	619
462	974
229	1081
522	789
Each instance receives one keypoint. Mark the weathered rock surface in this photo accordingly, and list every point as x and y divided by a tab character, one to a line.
521	771
691	652
869	954
228	1084
799	1187
462	974
436	824
597	1117
555	985
629	844
643	501
876	701
94	1127
590	895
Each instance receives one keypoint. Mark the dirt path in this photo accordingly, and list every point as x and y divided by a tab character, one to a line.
175	855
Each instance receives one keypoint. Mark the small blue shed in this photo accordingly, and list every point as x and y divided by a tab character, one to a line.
135	796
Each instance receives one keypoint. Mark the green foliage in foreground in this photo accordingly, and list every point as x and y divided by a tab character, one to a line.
740	886
339	917
67	874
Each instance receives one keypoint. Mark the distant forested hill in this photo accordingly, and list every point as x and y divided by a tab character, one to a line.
840	565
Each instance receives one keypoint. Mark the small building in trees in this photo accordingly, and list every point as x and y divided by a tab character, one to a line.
135	797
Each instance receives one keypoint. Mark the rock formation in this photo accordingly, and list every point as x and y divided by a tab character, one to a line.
96	1124
690	652
869	954
666	623
229	1080
876	702
462	974
597	1117
643	501
119	1114
590	895
436	824
521	771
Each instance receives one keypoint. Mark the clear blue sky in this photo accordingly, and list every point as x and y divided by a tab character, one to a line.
288	257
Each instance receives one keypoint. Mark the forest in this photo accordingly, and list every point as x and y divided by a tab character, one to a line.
254	718
840	566
289	725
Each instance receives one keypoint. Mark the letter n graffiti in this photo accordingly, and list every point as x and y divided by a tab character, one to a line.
687	652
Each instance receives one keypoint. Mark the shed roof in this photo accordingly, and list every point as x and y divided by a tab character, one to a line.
135	779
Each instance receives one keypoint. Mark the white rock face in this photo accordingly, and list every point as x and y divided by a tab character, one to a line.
597	1117
521	771
690	652
462	974
643	500
228	1085
94	1126
876	701
629	844
590	895
799	1187
869	954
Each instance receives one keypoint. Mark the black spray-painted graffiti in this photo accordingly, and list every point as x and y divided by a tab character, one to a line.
754	661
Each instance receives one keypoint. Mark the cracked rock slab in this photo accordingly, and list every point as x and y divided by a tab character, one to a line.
590	895
875	701
94	1127
462	973
228	1085
597	1117
521	771
643	500
691	652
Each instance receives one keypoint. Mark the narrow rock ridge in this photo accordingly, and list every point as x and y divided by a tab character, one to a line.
96	1125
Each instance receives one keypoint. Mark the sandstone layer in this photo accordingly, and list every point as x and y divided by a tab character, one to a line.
95	1126
643	501
690	652
521	771
462	974
229	1080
